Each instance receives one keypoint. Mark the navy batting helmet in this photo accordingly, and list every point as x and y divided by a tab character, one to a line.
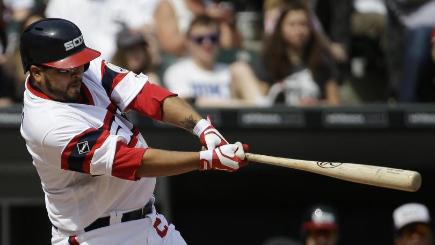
56	43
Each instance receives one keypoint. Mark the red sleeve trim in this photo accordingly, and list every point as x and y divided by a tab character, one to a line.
134	138
149	100
127	161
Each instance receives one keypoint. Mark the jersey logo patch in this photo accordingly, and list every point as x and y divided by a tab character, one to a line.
83	147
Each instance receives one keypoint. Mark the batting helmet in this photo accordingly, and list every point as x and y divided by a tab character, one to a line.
56	43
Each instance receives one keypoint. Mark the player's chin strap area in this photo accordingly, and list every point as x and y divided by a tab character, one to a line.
119	218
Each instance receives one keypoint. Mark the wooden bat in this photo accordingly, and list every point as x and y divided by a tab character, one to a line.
392	178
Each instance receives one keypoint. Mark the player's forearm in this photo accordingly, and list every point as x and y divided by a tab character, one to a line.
157	163
178	112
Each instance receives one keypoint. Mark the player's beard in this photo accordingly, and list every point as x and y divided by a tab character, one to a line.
71	94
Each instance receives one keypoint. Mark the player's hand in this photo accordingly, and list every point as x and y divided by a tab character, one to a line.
209	136
228	157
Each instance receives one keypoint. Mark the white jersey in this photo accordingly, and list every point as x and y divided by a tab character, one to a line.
188	80
73	147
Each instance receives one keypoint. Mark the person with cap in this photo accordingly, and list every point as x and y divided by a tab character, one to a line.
138	53
412	225
97	172
320	226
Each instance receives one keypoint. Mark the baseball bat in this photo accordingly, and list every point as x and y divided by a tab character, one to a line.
393	178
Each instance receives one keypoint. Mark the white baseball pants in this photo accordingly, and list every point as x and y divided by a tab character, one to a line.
151	230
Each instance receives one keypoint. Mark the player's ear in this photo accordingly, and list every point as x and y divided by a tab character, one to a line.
36	73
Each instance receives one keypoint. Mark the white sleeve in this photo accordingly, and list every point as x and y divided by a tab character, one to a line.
121	85
81	149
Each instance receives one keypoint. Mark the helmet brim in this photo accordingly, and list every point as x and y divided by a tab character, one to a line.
75	60
316	226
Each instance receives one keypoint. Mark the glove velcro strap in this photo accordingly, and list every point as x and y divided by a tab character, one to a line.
200	126
205	159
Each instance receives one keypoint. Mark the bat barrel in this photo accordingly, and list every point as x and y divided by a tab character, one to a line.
392	178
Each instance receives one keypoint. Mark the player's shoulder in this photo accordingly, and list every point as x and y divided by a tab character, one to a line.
50	118
99	68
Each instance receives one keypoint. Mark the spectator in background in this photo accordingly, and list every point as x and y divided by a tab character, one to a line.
334	17
271	11
201	80
101	21
12	14
433	44
409	30
6	90
20	9
369	78
320	227
173	18
135	54
13	66
297	65
412	225
369	19
329	20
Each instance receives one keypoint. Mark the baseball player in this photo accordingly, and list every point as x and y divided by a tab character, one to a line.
96	169
320	226
412	225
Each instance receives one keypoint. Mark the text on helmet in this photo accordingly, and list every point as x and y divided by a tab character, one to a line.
73	43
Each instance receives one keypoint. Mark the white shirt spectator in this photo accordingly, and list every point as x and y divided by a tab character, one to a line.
188	80
101	20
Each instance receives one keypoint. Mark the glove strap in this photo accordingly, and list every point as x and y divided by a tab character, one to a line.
200	126
205	159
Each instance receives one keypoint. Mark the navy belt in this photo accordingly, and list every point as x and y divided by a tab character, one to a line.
129	216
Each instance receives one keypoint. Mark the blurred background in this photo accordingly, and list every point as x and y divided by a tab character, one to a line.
343	80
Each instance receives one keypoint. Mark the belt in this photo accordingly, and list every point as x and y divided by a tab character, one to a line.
128	216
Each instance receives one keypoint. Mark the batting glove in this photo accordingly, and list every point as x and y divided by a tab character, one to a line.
209	136
228	157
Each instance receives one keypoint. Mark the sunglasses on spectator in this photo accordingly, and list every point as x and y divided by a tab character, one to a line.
201	39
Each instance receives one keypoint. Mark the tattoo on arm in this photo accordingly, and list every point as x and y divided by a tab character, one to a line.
188	123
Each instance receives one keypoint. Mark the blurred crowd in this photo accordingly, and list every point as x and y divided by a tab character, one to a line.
234	54
320	225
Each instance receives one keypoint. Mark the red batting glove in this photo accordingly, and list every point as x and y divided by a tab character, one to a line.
208	135
228	157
